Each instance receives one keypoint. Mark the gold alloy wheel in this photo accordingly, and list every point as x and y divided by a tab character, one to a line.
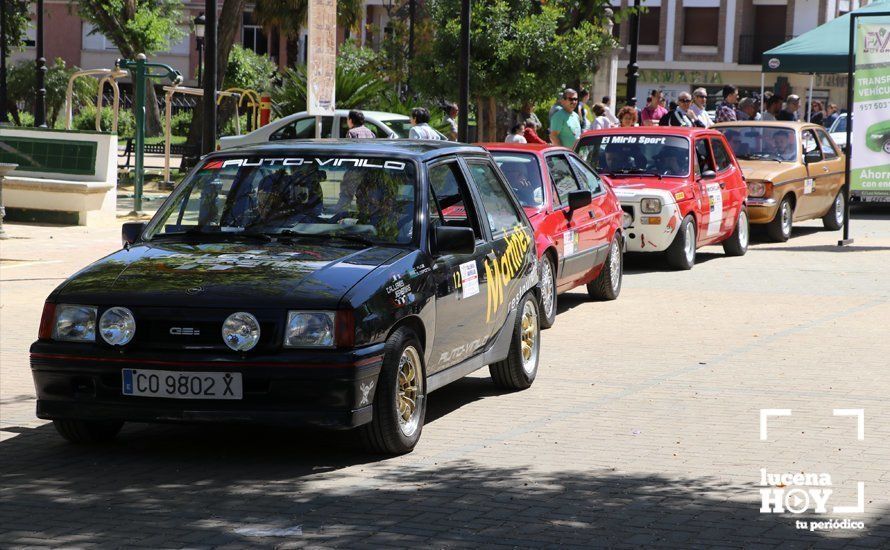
529	337
408	391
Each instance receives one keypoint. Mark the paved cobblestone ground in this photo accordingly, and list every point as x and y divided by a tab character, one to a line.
642	428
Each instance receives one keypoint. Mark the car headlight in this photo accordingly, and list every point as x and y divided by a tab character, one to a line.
241	331
756	189
627	219
75	323
117	326
309	329
650	206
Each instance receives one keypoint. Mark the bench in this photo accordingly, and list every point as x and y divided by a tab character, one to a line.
67	177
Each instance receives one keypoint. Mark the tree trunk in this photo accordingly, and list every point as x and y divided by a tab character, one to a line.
153	124
229	22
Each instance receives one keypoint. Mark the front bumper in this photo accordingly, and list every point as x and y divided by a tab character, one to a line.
317	388
762	209
658	231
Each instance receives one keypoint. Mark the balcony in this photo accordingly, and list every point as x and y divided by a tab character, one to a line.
752	46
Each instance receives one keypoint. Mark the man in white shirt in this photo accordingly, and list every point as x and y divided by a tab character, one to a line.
607	104
699	105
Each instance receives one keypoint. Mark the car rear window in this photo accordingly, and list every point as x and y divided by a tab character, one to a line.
524	175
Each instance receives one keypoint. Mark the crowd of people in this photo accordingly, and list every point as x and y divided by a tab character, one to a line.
573	114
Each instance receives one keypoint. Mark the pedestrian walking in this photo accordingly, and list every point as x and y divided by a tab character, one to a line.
421	129
699	107
451	111
515	135
726	109
831	114
773	108
527	114
530	134
355	120
653	111
600	120
792	104
627	117
607	105
583	110
565	126
817	116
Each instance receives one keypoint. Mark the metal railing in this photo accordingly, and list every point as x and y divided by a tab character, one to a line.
752	46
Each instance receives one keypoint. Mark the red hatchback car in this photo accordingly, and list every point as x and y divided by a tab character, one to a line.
681	188
576	218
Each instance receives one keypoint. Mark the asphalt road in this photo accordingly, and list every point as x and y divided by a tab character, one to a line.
643	427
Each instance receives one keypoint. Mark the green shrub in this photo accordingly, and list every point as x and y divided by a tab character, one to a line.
86	120
180	122
229	127
25	118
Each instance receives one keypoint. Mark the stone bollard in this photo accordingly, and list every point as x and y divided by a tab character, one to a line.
5	168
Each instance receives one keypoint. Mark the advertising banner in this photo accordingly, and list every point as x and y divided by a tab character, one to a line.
870	145
322	61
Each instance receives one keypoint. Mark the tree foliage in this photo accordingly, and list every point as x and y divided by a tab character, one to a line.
134	27
355	90
21	84
521	51
16	23
247	69
289	16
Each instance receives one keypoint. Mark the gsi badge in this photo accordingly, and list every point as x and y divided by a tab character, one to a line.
185	331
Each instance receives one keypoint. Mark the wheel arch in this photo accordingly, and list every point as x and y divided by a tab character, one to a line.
415	324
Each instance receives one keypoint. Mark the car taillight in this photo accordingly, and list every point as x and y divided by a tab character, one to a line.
345	332
45	332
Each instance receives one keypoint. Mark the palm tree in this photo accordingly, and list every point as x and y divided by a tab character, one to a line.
288	16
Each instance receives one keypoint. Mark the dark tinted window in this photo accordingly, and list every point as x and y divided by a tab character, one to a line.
449	198
303	128
524	175
703	155
586	176
721	156
563	180
500	211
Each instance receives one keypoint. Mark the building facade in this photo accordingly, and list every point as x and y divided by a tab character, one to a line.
686	44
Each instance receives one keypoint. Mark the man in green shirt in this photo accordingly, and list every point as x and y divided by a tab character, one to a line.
565	126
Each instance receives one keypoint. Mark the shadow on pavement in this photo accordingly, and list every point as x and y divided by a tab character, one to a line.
825	248
164	487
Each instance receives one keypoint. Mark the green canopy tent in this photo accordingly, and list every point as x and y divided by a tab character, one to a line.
824	49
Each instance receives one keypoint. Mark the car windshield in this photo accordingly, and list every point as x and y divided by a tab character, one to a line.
401	126
370	200
616	154
524	174
770	143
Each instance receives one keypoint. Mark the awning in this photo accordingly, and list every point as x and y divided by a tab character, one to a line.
825	49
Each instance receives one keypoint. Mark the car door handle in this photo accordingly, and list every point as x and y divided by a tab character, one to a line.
825	169
591	214
722	185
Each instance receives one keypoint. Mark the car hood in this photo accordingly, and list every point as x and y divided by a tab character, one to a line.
756	170
224	275
630	188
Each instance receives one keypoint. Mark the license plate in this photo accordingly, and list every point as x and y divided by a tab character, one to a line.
182	385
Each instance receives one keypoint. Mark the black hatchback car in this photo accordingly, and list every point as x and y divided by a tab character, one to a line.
330	283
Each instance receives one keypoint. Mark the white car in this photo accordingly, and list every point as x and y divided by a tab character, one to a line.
838	130
302	126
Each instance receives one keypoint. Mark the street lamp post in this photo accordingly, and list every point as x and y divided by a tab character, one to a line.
633	70
40	94
208	143
3	96
199	42
463	73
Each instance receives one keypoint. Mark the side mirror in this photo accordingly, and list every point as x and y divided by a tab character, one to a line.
453	240
131	232
579	199
812	156
708	175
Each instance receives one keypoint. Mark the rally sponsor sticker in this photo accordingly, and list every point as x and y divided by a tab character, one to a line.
715	201
809	185
469	279
568	246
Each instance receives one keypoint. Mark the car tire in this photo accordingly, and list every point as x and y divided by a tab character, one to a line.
737	243
548	292
401	384
779	229
681	253
518	370
87	432
607	285
835	217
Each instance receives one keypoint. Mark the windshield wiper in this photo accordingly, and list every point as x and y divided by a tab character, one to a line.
351	237
759	156
222	235
637	172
